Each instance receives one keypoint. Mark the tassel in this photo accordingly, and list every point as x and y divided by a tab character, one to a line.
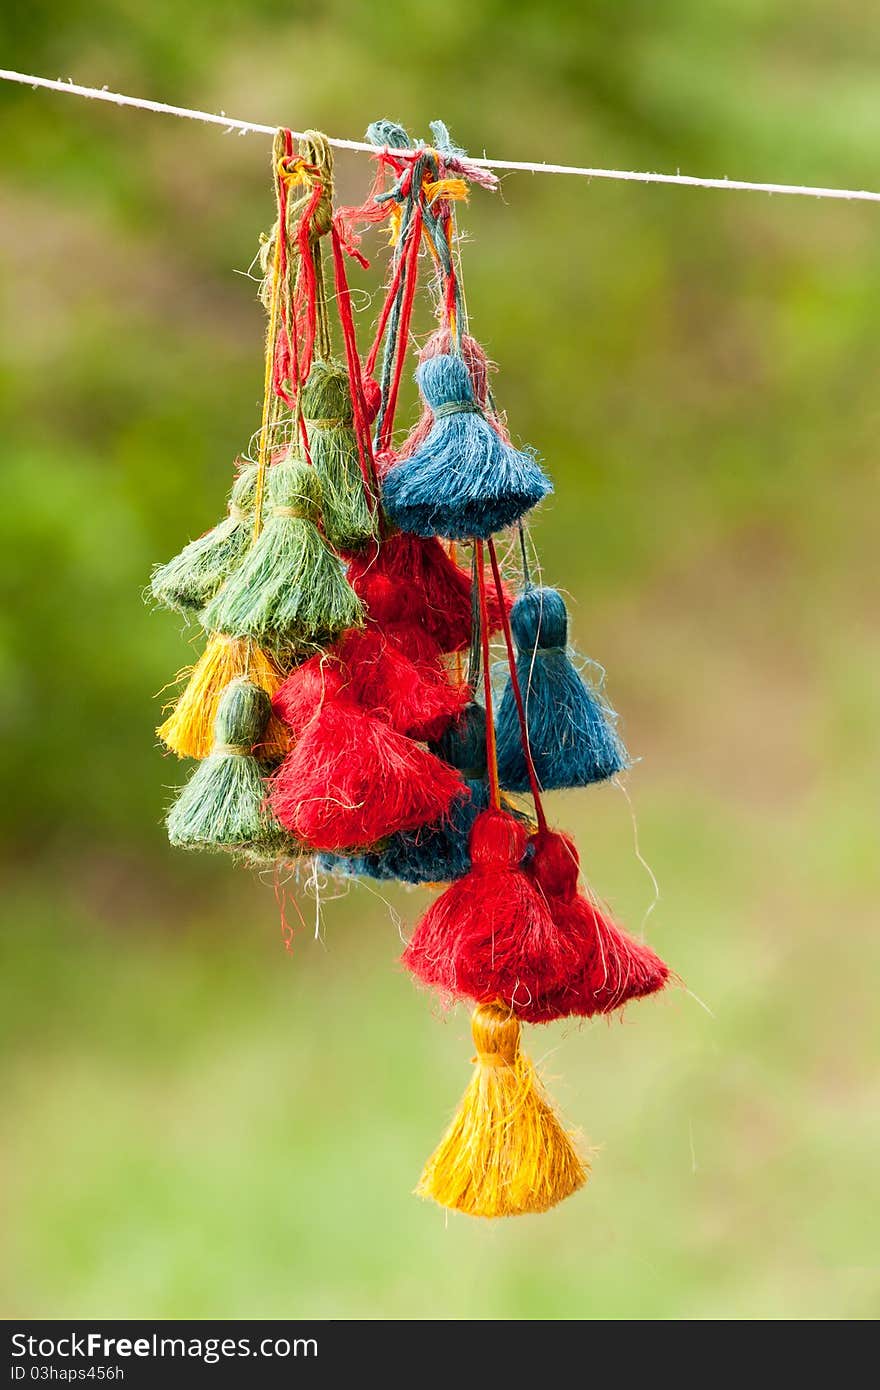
613	967
349	520
571	727
435	853
223	805
290	591
490	936
465	481
413	581
440	852
506	1152
350	780
186	582
441	341
189	729
411	693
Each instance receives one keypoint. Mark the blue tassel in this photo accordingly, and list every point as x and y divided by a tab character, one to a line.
435	853
464	481
572	734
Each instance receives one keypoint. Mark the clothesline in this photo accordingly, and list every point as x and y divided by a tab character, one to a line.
231	123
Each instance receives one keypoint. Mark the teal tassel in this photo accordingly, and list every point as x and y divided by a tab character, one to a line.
224	804
463	480
572	735
190	579
349	520
291	590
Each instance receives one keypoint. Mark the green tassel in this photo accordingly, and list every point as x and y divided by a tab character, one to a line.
187	582
224	804
291	590
349	520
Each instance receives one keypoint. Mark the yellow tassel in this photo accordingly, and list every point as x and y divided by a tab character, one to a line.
505	1153
189	729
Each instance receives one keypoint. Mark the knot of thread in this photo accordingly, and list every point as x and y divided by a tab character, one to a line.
492	1059
237	513
234	750
456	190
293	512
456	408
325	422
317	156
496	1033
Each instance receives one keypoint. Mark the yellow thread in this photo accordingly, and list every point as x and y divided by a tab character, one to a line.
271	333
394	224
189	729
456	190
505	1153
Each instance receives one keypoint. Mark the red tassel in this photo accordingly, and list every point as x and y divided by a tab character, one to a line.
411	692
613	967
490	936
428	590
302	695
350	780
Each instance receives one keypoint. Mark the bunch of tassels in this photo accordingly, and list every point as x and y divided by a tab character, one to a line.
349	598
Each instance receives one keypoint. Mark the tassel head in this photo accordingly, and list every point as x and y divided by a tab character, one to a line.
463	745
539	619
295	490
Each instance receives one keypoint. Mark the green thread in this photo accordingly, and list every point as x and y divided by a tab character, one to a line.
291	590
350	522
186	582
224	804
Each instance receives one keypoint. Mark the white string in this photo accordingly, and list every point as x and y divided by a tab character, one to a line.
230	123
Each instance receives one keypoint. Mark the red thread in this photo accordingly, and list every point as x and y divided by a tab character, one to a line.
350	780
490	936
359	403
612	967
491	750
406	309
413	581
517	693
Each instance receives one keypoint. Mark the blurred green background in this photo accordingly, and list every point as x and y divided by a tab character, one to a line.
197	1123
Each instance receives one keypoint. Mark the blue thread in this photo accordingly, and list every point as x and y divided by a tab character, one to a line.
463	745
436	853
464	481
572	734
